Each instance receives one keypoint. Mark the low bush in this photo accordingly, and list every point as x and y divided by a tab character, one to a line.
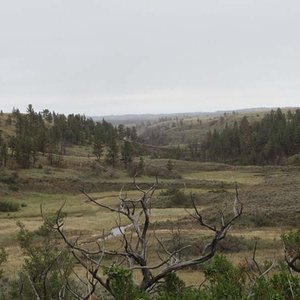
162	172
122	284
174	197
13	187
8	177
173	288
293	160
8	206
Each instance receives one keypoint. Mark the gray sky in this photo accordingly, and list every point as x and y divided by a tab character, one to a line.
149	56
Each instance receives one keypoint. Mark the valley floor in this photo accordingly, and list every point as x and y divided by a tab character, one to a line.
270	196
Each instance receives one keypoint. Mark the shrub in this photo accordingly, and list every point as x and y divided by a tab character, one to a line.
170	165
286	285
292	242
293	160
13	187
173	288
9	178
3	280
3	258
46	267
163	173
47	170
122	284
176	196
282	285
225	280
8	206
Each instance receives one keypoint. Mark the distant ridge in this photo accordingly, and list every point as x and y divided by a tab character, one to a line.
138	118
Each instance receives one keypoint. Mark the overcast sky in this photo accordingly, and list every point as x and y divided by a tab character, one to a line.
149	56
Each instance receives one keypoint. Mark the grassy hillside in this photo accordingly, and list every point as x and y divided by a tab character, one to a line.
173	130
7	129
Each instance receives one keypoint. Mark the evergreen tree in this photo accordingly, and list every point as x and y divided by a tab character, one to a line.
127	153
113	151
271	140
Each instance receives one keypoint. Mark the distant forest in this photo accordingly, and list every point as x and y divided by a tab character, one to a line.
49	133
269	141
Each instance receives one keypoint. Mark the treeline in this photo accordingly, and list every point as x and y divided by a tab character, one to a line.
273	139
269	141
49	134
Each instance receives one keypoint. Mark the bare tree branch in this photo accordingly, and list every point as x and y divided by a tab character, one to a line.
135	245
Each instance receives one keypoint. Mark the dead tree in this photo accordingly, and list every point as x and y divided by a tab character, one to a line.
134	252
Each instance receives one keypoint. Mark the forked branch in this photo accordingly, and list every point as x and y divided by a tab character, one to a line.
135	245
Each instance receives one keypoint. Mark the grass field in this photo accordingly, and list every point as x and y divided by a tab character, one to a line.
270	196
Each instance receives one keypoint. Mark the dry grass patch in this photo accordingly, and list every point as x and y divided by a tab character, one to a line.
227	176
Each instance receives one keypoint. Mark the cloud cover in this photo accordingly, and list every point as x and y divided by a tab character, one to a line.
138	56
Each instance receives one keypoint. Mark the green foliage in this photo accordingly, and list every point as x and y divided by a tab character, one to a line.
50	133
175	153
8	206
271	140
13	187
151	170
98	149
175	196
3	281
170	165
222	281
8	177
127	152
3	258
141	166
280	286
3	151
292	242
47	265
225	280
285	285
113	151
122	284
173	288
